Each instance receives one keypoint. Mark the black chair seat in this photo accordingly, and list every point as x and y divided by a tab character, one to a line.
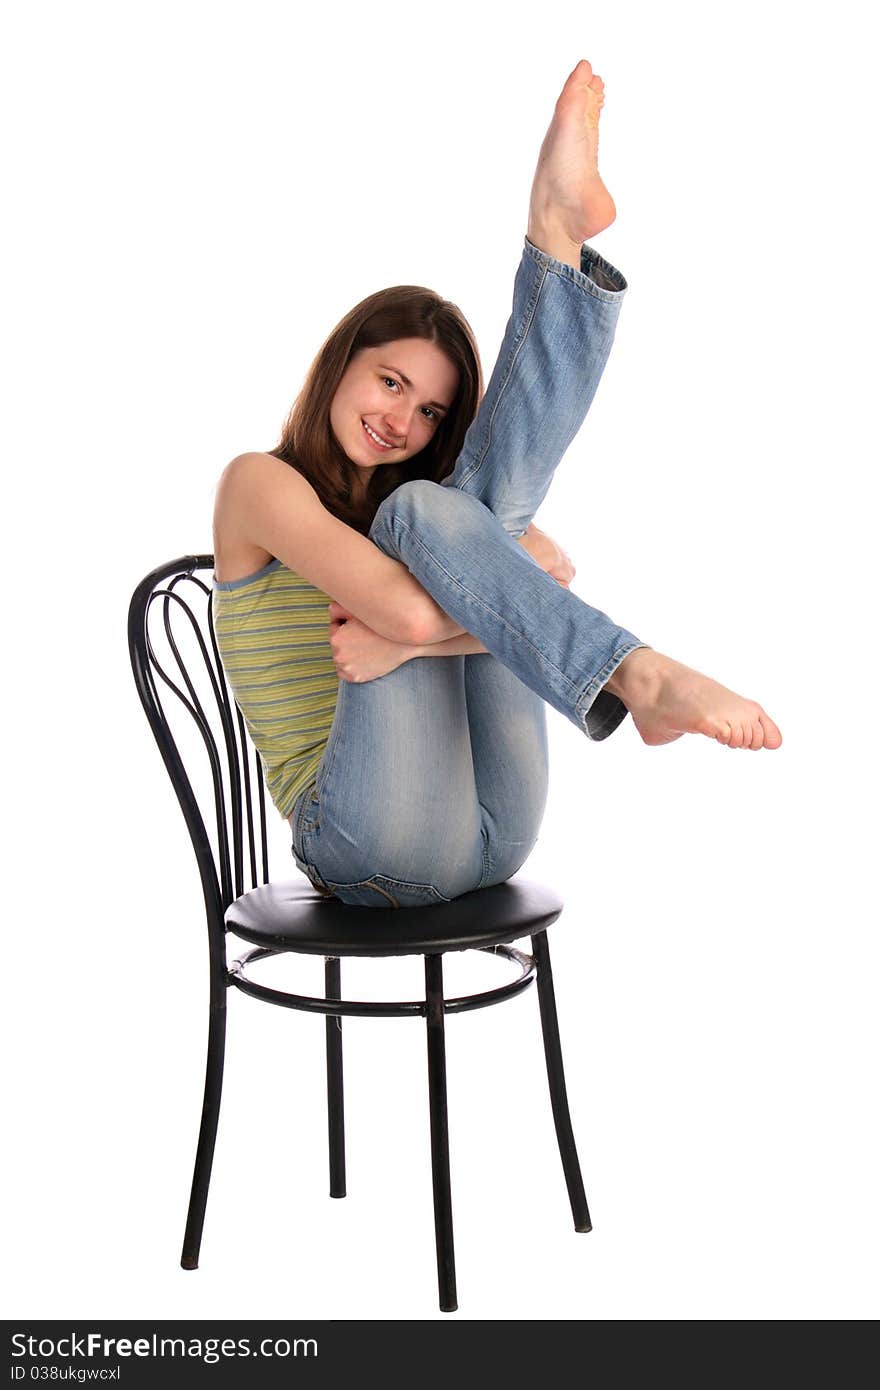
296	917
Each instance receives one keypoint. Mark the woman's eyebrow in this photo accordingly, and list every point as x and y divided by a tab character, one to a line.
406	381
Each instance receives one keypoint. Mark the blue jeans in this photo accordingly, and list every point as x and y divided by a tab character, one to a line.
434	779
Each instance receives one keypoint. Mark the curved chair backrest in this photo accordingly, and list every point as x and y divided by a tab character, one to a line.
185	604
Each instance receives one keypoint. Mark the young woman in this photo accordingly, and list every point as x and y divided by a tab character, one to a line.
393	526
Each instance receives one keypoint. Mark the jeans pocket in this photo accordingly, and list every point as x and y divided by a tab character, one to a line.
381	891
306	817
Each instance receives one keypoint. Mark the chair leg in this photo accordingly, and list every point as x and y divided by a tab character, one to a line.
556	1077
198	1200
335	1102
440	1133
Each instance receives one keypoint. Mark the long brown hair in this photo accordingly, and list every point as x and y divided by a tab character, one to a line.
307	441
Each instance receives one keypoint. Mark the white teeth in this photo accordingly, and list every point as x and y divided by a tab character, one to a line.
374	435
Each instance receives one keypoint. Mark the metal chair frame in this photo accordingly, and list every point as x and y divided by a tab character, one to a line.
242	834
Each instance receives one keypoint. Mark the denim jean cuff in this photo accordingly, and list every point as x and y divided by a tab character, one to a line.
603	274
598	710
596	275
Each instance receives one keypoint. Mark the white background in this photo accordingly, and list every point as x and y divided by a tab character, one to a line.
198	194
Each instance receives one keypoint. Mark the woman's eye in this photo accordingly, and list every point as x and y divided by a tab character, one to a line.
389	381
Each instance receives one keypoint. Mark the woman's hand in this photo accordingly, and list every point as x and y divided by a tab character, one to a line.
548	554
359	653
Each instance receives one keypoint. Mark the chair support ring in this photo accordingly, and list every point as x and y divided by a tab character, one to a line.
380	1008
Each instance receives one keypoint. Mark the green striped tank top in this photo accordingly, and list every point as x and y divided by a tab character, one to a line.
272	635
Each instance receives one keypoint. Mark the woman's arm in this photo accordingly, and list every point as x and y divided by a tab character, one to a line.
363	655
273	507
465	645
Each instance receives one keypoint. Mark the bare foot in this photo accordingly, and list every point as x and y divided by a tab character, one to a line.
667	699
569	202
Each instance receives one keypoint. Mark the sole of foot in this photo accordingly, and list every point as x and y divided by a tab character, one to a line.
569	202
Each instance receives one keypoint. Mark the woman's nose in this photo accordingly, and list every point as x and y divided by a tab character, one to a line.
397	422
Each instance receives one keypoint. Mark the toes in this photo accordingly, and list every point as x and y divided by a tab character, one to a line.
580	76
584	76
772	735
581	83
759	732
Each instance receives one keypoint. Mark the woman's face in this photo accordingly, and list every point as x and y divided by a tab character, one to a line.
400	391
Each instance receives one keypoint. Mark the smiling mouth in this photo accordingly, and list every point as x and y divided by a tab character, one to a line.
377	438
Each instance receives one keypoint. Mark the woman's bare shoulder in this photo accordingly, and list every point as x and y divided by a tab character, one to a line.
235	556
250	468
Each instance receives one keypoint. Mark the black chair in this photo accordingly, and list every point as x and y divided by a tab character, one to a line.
282	917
